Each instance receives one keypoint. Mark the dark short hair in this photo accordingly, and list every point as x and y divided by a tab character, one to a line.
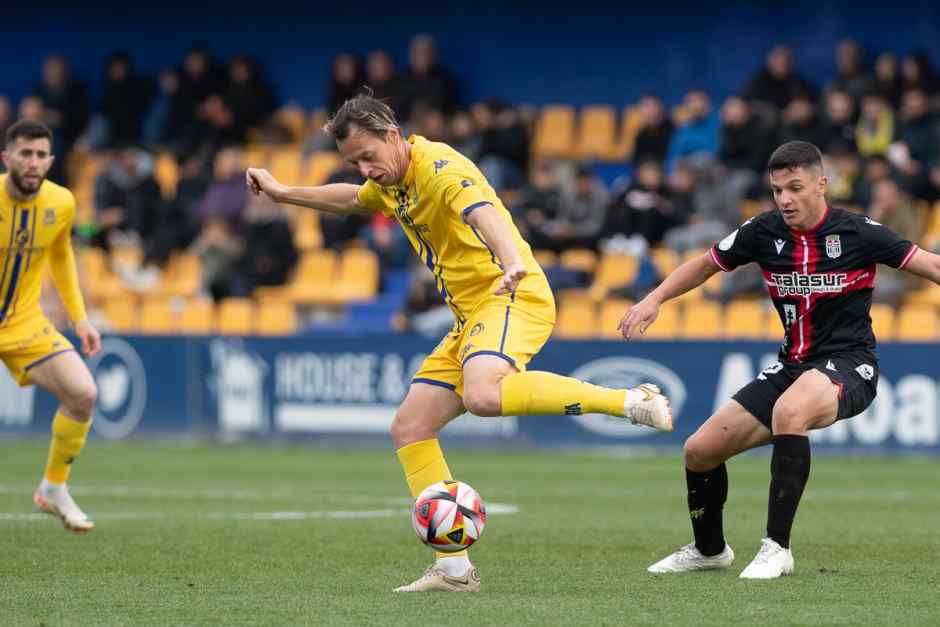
30	129
795	154
366	112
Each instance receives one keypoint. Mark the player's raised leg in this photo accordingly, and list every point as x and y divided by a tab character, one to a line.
428	407
812	402
729	431
66	377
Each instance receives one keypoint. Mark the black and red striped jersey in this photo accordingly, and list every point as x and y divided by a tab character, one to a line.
820	280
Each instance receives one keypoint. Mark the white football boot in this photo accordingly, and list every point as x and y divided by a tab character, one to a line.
646	405
771	561
690	558
55	499
435	579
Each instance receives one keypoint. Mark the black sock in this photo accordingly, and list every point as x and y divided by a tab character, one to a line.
707	494
789	471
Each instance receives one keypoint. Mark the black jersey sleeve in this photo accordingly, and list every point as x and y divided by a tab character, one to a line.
884	245
737	249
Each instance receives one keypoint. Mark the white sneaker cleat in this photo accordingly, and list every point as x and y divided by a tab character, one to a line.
435	579
646	405
56	500
771	561
690	558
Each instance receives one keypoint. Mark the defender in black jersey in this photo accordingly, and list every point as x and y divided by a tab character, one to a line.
819	266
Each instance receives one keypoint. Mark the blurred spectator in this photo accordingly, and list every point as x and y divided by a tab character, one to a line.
426	82
697	136
838	121
125	101
800	122
917	135
424	311
464	137
384	82
539	205
931	189
338	229
248	94
652	142
582	211
846	184
917	72
128	203
218	248
267	252
384	237
32	108
643	208
893	208
345	81
6	115
431	124
169	117
66	102
504	144
875	130
776	84
227	195
887	81
200	78
214	127
743	140
852	77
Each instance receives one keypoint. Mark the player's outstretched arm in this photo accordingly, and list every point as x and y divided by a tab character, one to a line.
925	264
488	221
334	198
686	277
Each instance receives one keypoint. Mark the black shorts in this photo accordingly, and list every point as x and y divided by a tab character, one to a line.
856	374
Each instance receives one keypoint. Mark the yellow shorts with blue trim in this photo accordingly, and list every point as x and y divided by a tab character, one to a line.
29	344
513	328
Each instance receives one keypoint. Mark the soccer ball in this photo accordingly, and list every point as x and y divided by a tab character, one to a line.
449	516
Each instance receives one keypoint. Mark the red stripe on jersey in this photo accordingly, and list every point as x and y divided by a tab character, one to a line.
908	256
717	261
859	279
797	333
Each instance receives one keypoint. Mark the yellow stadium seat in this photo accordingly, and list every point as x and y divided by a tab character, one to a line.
286	165
597	132
773	328
612	312
929	294
701	321
294	119
629	128
917	323
546	258
577	320
666	325
554	132
665	259
579	259
198	317
157	317
167	173
314	278
358	276
182	277
276	317
257	155
235	316
121	314
320	167
745	320
882	321
307	233
613	270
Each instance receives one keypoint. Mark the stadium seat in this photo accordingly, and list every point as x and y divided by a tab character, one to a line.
612	311
701	321
276	318
579	259
236	316
630	125
597	132
157	317
917	323
665	259
121	314
198	317
306	227
745	320
545	258
554	132
167	173
666	325
882	321
773	328
182	277
294	119
358	276
929	294
286	165
577	320
613	270
314	278
320	167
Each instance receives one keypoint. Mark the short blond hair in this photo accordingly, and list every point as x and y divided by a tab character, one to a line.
366	112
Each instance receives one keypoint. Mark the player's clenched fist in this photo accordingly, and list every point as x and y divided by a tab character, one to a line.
260	180
638	318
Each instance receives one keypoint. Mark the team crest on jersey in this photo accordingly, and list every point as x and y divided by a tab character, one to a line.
833	246
440	164
49	216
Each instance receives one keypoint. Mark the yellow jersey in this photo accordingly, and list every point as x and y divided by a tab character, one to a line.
32	234
439	190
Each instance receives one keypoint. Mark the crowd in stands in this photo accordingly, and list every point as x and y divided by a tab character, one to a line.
687	174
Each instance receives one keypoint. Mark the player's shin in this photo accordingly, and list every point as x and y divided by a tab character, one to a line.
707	493
424	464
533	392
789	470
68	439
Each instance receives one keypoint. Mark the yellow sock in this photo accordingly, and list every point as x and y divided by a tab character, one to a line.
68	439
424	464
527	393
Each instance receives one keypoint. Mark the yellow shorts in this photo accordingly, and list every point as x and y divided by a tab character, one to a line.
29	344
511	327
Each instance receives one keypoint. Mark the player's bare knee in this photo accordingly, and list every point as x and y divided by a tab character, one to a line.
407	430
697	455
482	400
788	418
80	401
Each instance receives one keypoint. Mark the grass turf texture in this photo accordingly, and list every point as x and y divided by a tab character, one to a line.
576	552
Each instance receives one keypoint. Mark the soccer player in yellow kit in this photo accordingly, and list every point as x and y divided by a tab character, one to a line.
502	304
35	232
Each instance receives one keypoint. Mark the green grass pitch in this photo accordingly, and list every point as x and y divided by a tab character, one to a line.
190	534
